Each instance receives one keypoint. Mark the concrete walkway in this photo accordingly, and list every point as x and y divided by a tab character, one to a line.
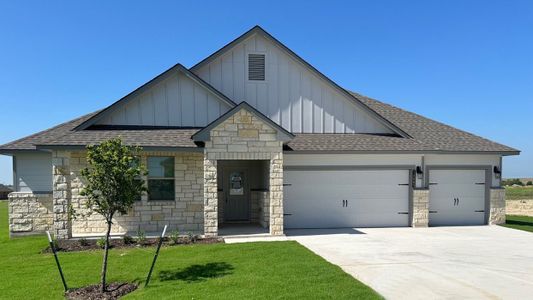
481	262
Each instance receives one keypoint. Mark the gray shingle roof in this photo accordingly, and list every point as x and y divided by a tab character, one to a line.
428	136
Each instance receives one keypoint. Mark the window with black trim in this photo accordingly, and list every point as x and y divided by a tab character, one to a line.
161	178
256	67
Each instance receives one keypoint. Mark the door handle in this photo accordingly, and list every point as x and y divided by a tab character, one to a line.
346	203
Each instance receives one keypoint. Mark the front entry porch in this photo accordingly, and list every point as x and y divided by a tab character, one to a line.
243	193
243	170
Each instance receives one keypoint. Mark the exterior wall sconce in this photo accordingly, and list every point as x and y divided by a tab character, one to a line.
497	172
419	172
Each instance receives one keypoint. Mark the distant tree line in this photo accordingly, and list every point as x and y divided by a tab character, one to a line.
515	181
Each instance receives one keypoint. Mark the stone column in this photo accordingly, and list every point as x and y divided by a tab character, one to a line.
276	194
210	197
61	194
497	206
420	209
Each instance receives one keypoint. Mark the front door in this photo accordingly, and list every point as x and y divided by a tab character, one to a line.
237	201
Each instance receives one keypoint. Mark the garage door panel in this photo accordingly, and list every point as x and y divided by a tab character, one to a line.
314	199
457	197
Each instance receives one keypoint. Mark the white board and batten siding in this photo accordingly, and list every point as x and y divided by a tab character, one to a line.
291	95
33	172
175	101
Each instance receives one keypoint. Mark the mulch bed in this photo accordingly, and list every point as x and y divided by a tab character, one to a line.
115	290
83	244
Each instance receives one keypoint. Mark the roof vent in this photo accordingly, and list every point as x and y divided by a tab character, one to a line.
256	67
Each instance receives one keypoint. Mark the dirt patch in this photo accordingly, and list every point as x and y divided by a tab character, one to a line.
83	244
115	290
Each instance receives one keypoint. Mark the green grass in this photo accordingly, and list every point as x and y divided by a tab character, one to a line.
518	193
519	222
273	270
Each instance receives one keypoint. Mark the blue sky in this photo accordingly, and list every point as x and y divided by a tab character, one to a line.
466	63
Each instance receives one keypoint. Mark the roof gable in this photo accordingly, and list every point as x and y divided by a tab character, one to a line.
205	134
170	99
304	101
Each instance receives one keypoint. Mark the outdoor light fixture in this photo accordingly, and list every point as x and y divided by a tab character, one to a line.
419	172
497	172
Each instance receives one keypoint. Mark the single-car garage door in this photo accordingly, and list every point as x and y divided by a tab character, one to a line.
456	197
336	199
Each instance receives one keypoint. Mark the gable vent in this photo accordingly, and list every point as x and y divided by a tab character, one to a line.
256	67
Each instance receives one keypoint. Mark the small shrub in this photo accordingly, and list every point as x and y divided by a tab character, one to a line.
101	242
174	237
529	183
192	237
83	242
141	237
127	239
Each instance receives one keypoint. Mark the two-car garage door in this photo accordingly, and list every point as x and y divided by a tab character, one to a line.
346	198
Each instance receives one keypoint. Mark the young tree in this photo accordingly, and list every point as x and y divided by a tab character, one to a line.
112	184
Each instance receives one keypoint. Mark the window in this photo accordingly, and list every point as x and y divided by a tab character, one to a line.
161	178
256	67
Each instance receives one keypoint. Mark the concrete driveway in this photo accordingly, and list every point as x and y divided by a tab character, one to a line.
481	262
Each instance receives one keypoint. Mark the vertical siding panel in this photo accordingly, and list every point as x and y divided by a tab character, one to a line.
200	100
317	106
147	109
187	102
307	115
260	44
174	114
239	74
348	117
284	92
328	112
274	103
215	74
251	94
262	94
339	124
213	108
226	72
296	99
203	73
160	105
133	113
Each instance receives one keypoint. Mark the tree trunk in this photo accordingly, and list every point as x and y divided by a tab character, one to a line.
106	251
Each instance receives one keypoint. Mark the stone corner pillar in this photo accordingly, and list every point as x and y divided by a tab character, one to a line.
420	208
276	194
210	198
62	227
497	206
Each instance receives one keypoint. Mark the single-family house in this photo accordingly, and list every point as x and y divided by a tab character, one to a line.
255	134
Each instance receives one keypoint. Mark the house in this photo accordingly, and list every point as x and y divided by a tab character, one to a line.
4	191
255	134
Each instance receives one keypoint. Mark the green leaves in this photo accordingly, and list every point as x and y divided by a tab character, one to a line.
112	178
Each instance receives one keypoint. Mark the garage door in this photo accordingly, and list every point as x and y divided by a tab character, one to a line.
336	199
456	197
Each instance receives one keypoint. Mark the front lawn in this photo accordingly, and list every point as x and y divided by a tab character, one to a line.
219	271
519	222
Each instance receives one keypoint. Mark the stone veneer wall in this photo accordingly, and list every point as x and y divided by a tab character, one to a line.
184	213
420	211
243	136
497	206
30	213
